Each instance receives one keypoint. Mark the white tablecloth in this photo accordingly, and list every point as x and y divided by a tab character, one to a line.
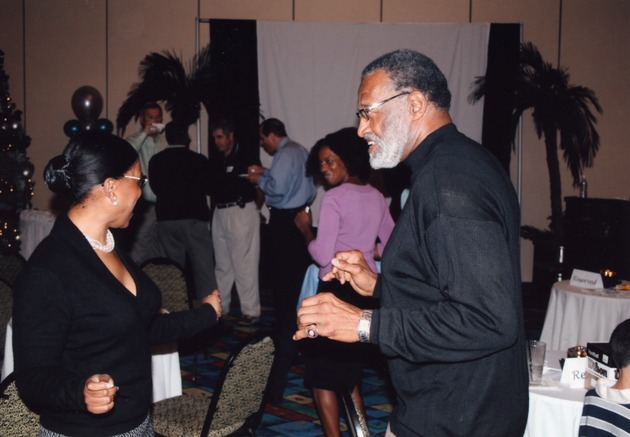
35	225
554	408
576	316
167	378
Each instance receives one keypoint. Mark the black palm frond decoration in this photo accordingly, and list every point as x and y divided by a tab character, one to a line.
564	116
164	78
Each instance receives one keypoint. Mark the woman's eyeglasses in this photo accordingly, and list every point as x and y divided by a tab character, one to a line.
142	180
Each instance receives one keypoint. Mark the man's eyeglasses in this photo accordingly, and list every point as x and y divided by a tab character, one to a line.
142	180
364	113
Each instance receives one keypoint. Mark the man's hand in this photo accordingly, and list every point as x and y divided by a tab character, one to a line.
254	172
350	266
99	393
332	317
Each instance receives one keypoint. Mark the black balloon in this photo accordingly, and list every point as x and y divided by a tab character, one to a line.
88	126
87	103
72	127
104	125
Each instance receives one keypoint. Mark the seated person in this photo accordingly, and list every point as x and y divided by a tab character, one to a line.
607	406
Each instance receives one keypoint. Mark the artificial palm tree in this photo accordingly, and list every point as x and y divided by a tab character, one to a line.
164	78
560	111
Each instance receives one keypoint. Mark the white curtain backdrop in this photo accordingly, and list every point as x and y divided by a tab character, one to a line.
308	73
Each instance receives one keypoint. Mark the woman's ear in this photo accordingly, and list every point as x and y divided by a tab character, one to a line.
109	186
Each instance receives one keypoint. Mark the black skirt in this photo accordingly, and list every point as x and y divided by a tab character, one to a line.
334	365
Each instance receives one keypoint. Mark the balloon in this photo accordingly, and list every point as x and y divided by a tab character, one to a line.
87	103
71	128
88	126
104	125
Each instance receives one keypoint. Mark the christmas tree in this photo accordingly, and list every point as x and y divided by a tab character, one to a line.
16	185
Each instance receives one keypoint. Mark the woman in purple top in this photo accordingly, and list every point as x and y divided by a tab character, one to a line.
353	215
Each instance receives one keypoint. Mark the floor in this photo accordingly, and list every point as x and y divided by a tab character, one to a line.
295	415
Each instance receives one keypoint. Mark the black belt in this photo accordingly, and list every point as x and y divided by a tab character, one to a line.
288	210
240	203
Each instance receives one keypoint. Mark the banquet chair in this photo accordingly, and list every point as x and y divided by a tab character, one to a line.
6	308
357	425
10	267
235	408
16	420
171	280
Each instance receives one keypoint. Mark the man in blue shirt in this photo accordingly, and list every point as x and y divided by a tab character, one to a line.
287	190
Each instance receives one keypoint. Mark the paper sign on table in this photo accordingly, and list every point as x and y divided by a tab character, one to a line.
574	372
584	279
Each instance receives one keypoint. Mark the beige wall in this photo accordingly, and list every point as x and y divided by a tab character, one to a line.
52	47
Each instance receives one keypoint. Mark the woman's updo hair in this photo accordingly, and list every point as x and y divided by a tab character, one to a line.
86	162
351	149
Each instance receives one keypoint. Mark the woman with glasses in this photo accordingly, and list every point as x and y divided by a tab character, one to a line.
85	316
353	215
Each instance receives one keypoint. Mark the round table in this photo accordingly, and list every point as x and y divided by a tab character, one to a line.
555	409
576	316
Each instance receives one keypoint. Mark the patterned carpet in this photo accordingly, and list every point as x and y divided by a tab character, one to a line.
295	415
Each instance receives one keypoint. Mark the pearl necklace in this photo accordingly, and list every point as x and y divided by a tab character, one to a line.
107	247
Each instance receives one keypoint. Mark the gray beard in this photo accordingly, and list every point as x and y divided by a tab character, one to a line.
390	147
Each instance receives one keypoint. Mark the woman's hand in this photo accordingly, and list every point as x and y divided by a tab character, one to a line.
214	299
99	393
351	267
303	221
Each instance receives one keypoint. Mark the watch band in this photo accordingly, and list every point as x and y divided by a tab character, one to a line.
363	330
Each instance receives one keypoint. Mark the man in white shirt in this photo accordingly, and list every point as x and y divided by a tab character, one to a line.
147	142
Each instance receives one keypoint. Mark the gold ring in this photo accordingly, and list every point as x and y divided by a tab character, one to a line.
311	331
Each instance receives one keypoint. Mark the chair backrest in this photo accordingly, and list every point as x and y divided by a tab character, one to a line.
238	401
357	425
6	309
170	279
15	417
10	267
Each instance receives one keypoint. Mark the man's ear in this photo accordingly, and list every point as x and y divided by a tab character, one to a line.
418	104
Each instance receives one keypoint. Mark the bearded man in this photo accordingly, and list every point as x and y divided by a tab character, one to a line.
450	319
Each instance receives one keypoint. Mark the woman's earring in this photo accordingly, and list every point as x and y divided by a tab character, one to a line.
115	200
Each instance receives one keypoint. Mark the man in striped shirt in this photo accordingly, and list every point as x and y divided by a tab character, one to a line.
606	410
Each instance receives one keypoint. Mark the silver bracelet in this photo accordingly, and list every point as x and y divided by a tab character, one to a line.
363	330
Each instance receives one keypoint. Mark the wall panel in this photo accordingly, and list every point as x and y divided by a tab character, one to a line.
65	49
139	28
595	33
426	11
272	10
359	11
11	43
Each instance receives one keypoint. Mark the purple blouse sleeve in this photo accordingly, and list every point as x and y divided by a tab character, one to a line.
322	249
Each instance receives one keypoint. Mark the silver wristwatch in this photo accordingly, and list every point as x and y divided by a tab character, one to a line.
363	330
